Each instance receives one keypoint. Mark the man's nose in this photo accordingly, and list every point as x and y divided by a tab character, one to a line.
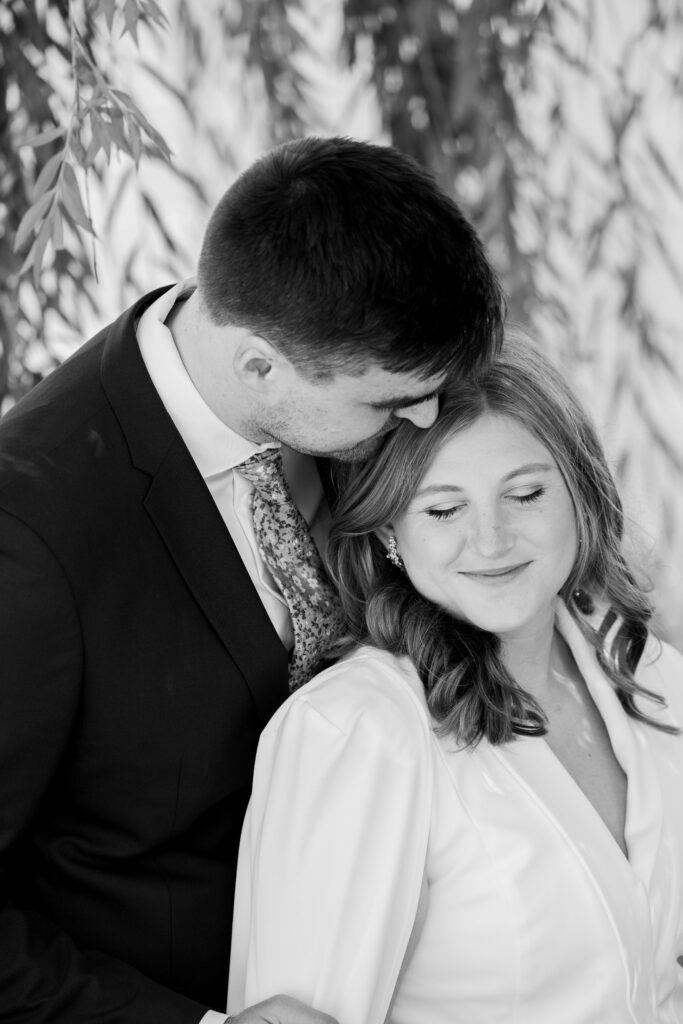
422	414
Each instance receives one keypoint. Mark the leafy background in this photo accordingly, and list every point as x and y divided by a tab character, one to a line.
558	126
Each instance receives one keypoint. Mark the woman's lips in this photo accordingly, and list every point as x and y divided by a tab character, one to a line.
495	576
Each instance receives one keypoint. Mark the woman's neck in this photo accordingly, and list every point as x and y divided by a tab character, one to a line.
532	657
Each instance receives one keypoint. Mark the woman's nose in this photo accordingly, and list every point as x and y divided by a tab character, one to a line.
491	534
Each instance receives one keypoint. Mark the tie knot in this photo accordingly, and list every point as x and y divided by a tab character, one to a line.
265	471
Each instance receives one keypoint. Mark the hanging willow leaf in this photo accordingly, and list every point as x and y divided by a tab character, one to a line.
47	174
49	135
70	194
131	16
57	231
109	11
156	138
154	13
28	262
30	220
41	244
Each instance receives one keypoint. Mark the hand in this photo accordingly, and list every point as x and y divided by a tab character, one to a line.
281	1010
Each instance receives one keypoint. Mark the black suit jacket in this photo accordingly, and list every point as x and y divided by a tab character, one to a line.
138	667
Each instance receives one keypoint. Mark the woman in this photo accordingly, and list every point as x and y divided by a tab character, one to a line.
475	816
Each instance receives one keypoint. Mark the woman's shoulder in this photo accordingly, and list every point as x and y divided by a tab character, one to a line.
368	690
660	668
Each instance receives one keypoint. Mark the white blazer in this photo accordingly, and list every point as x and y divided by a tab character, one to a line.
385	875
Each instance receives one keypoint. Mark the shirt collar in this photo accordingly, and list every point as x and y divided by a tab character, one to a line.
211	443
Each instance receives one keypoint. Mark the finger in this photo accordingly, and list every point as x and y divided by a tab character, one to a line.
282	1009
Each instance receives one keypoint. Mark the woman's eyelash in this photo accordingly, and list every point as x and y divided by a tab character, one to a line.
442	513
525	499
522	499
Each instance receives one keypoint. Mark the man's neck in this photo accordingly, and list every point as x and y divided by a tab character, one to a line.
205	351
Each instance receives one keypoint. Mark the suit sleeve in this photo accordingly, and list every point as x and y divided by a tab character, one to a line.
44	977
333	851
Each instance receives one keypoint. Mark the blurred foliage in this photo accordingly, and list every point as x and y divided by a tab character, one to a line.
61	121
443	78
556	125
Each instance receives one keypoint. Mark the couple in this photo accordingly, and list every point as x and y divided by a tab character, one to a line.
439	827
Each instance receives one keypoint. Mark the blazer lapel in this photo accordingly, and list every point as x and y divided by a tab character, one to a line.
187	519
621	884
617	888
644	806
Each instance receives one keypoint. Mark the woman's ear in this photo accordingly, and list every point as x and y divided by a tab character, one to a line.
384	533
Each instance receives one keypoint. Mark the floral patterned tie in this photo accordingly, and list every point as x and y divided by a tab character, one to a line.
288	550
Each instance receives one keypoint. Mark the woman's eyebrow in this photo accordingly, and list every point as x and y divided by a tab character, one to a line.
528	467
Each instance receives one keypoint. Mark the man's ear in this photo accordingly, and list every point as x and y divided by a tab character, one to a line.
256	362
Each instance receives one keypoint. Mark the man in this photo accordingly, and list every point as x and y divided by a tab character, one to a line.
145	634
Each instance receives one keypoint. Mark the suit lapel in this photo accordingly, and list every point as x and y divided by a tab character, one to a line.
188	521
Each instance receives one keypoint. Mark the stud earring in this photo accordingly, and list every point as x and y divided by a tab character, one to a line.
393	555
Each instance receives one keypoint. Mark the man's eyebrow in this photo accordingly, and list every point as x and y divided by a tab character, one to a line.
404	401
529	467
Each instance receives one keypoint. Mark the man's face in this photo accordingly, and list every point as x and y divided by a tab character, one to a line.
345	417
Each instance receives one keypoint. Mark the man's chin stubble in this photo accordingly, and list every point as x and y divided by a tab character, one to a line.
359	452
364	449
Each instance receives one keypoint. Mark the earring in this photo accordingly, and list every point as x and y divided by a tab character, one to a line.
583	601
393	555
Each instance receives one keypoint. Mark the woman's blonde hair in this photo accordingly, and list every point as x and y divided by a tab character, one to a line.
469	691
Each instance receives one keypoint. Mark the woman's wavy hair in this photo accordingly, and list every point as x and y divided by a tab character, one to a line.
469	691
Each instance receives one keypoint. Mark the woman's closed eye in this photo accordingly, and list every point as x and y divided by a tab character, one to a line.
526	499
445	513
453	510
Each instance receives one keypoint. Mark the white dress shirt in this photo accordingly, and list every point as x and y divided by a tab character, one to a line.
217	450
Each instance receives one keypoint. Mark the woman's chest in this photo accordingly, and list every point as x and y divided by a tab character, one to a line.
578	738
518	925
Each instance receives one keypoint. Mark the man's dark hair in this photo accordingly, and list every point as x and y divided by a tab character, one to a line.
341	253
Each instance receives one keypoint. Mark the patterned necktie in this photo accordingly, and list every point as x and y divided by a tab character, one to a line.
288	550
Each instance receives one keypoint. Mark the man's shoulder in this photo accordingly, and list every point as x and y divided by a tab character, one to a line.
74	377
64	412
34	434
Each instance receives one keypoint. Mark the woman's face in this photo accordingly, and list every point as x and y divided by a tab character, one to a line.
490	534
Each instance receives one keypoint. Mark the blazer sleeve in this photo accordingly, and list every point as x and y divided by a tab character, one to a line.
333	848
44	977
